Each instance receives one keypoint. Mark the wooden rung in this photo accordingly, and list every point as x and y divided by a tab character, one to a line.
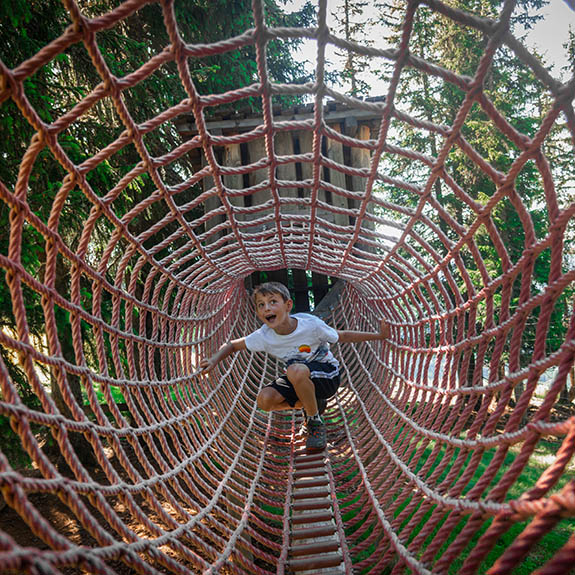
311	472
314	482
306	504
312	517
307	458
312	532
310	493
323	561
337	570
312	465
314	548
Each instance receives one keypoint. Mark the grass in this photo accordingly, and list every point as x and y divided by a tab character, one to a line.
117	395
540	552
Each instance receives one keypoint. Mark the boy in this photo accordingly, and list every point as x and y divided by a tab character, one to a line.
302	342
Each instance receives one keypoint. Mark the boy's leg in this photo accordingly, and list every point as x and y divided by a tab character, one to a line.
297	389
300	377
270	399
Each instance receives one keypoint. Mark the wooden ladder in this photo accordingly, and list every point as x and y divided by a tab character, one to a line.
314	541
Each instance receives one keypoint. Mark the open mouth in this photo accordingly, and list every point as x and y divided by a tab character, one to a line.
271	317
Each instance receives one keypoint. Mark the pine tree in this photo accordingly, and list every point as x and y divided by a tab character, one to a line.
520	98
65	81
353	26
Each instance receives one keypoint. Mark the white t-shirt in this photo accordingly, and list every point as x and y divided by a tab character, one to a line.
308	342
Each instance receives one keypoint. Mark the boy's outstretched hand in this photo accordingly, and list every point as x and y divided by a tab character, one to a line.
353	336
207	364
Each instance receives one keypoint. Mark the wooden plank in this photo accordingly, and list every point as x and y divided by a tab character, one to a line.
233	157
318	562
311	504
360	158
315	548
187	127
310	518
284	146
310	492
306	457
337	178
314	532
309	471
210	204
330	301
317	482
257	151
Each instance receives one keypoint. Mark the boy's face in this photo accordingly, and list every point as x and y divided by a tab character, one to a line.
273	310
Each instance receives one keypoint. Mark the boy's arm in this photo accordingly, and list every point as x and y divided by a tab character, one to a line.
224	351
357	336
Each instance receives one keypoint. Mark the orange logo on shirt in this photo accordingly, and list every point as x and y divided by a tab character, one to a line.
305	348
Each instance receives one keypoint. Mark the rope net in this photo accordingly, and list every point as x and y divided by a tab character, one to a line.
437	453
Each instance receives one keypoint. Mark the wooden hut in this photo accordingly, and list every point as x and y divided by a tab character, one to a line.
307	288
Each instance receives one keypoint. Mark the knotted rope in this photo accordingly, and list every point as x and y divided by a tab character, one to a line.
436	453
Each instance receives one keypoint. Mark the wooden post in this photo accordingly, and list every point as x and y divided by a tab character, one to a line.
320	285
337	178
213	202
361	158
284	147
305	145
280	276
257	151
233	158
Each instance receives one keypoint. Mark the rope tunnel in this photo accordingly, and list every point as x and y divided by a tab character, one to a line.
450	444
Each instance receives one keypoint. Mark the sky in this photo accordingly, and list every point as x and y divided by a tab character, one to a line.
547	37
549	34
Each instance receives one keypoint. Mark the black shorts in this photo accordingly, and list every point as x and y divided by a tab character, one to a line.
325	377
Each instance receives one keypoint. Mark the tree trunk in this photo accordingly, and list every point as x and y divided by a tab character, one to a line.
79	443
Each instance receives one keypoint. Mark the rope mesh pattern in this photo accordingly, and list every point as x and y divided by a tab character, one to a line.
430	443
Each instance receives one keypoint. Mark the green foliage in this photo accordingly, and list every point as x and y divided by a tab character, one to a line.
520	98
210	21
60	85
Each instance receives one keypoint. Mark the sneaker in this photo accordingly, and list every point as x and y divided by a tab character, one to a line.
316	435
321	407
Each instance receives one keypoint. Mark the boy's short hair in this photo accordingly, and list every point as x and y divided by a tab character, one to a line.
269	288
